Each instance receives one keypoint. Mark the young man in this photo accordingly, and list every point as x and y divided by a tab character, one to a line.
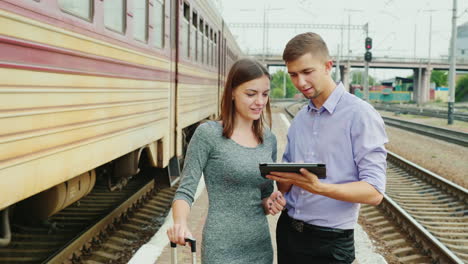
345	133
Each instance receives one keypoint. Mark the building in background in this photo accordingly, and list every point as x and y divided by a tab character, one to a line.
462	41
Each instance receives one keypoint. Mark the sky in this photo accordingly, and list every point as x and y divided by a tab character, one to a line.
399	28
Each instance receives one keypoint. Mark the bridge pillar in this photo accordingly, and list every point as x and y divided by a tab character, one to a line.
427	84
421	85
416	84
344	76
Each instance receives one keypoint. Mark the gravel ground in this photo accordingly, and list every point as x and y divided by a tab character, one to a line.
445	159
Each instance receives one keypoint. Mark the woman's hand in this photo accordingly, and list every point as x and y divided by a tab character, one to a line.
274	204
178	232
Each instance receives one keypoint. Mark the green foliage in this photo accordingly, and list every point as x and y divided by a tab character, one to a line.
276	93
439	78
357	78
461	89
277	85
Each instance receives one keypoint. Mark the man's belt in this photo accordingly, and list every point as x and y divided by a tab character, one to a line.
301	226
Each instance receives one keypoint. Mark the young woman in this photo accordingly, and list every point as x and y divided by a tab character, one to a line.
228	152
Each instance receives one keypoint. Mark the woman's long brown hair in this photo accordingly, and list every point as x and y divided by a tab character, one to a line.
242	71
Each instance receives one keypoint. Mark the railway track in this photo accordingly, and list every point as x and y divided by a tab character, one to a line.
448	135
100	228
435	209
423	216
422	111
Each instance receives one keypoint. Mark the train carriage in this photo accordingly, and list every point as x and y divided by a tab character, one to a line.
86	84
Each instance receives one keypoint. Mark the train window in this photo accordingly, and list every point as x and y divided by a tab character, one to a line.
186	31
207	45
114	15
82	9
193	42
200	40
140	20
159	23
216	50
211	47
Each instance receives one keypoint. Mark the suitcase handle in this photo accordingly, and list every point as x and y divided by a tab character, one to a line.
193	244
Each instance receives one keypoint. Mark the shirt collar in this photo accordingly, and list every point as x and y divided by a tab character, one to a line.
331	102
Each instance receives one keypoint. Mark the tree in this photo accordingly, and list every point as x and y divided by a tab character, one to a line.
357	78
439	78
277	83
461	90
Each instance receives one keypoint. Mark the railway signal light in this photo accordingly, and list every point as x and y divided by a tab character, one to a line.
368	56
368	43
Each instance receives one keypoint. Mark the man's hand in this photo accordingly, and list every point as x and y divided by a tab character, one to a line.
306	180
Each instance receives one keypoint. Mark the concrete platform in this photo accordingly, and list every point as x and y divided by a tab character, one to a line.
157	250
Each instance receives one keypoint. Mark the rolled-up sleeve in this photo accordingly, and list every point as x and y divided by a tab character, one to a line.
196	158
368	139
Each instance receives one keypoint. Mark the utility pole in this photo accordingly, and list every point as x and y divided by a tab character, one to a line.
284	82
264	35
452	64
265	48
368	46
430	32
415	38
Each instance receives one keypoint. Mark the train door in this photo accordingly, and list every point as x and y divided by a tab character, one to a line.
219	65
173	168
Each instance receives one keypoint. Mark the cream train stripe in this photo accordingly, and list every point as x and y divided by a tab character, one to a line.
47	152
29	146
189	70
74	126
25	28
30	123
27	112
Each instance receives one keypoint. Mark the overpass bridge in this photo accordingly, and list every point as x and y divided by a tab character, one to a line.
422	69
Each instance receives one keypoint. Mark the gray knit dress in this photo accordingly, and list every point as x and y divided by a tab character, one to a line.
236	228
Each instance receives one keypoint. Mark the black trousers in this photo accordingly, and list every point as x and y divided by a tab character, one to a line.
302	243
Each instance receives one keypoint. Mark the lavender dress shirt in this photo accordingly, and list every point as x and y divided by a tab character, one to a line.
346	134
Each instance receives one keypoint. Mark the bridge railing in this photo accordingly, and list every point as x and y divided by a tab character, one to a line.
422	61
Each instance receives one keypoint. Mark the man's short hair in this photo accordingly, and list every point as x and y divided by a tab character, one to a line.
306	43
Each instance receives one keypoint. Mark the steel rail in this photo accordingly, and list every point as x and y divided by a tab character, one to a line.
457	137
461	116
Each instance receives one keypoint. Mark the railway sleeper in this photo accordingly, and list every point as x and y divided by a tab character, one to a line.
436	212
454	224
403	251
463	243
397	242
452	206
391	236
413	259
386	230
